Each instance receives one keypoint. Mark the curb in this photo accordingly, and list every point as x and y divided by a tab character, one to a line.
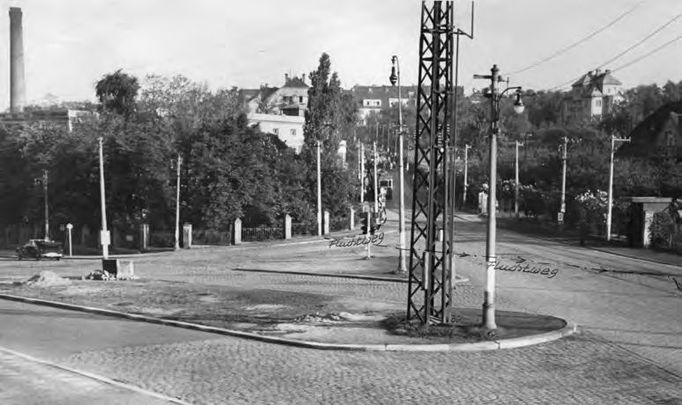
567	330
457	280
95	377
635	257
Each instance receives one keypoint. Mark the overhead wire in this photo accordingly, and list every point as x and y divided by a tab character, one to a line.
630	48
580	41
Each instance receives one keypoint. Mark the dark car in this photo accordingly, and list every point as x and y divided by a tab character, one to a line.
40	249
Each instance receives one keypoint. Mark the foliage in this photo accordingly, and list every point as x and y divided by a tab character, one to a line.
117	91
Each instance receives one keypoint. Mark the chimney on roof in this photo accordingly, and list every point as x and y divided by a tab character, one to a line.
17	97
303	78
286	78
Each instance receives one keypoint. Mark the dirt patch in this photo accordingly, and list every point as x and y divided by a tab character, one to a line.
46	278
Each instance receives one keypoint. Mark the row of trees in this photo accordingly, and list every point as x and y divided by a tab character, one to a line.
229	169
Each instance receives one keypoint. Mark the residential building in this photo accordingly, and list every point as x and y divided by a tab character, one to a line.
279	111
591	96
658	136
61	116
375	99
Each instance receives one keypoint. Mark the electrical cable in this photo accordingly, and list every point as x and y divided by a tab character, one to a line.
641	41
632	62
580	41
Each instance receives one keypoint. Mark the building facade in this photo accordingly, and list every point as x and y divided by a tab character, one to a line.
375	99
279	111
592	96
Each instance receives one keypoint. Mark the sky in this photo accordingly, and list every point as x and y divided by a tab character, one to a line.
70	44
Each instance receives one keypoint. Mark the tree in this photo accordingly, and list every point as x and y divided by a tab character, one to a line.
117	92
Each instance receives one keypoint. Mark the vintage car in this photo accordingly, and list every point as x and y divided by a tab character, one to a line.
40	249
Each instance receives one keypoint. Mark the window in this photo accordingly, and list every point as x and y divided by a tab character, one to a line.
275	131
292	131
300	99
597	103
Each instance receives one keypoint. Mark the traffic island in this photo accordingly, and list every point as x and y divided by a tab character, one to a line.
301	319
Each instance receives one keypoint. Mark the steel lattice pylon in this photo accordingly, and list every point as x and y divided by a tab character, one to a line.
429	265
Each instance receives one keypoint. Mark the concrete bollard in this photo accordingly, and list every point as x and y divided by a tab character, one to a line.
237	234
287	226
187	235
325	223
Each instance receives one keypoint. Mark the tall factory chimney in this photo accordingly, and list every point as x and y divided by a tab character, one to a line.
17	97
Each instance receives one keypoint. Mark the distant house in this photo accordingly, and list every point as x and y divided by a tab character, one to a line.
279	111
374	99
591	96
658	136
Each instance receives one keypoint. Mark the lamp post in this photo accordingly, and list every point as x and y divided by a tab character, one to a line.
177	205
610	196
466	169
362	173
376	197
104	234
43	181
491	260
395	79
319	192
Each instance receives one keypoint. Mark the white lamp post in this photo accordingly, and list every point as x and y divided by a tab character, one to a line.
177	206
610	197
104	234
491	259
395	79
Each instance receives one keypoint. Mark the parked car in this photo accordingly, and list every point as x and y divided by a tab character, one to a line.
40	249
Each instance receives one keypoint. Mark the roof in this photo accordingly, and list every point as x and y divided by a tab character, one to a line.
644	135
593	82
295	82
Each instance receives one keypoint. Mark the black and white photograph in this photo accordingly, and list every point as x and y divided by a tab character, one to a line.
340	202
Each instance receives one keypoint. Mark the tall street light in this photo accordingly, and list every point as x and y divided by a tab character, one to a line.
104	234
610	200
43	181
319	192
395	79
491	260
177	206
466	170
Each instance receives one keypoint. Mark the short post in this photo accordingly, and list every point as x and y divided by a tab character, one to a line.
69	227
237	234
287	226
367	232
187	235
352	218
325	224
144	236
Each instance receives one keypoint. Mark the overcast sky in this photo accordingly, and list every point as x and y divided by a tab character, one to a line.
70	44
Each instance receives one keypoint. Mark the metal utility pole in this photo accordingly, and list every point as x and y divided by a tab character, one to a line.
466	169
395	79
516	180
564	158
319	192
104	235
47	217
610	198
177	205
376	187
362	173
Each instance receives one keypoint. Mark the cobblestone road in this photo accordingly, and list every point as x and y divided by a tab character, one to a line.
627	352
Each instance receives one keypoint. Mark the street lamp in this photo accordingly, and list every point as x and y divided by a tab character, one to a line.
395	79
319	191
491	260
564	157
610	200
177	206
43	181
516	180
104	234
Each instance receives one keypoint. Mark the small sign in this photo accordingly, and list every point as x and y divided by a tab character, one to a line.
104	237
69	226
560	217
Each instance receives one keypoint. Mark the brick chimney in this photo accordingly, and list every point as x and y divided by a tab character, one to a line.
17	97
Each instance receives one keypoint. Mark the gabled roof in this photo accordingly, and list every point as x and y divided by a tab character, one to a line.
595	80
644	135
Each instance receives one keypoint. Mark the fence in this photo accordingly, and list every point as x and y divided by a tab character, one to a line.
262	233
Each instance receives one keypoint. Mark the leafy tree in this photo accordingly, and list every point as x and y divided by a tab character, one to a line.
117	92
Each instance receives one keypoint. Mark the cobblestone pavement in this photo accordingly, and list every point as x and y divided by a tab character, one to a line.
25	382
576	370
629	350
